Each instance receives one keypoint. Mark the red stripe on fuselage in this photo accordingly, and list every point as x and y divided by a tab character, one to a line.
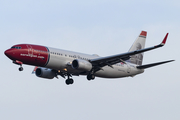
30	54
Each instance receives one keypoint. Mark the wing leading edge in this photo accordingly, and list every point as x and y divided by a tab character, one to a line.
110	60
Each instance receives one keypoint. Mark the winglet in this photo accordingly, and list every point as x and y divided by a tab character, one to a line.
164	40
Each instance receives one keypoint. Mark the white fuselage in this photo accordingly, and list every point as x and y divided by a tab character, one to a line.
62	59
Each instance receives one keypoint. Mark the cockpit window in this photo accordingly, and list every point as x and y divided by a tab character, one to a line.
16	47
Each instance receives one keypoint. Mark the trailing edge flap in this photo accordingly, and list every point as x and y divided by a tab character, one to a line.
152	65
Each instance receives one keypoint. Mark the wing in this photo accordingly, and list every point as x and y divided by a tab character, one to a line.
110	60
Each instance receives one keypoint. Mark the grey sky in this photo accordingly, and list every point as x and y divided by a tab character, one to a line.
104	27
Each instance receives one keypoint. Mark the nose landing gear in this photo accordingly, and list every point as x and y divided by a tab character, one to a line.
19	63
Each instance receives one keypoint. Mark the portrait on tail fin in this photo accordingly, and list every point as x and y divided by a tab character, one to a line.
138	45
137	59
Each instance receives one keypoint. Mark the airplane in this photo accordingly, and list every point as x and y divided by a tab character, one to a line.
50	62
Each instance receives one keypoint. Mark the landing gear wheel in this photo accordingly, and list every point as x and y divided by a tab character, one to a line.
88	77
69	81
91	77
21	69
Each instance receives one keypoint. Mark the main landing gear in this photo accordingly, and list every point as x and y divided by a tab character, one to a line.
90	76
69	80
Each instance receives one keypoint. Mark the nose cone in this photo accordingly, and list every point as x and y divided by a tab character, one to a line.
9	53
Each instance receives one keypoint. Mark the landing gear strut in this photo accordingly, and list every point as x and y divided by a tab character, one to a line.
69	80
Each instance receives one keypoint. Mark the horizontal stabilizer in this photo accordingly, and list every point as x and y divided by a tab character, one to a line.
152	65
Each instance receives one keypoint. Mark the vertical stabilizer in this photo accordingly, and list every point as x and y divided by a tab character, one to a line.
137	45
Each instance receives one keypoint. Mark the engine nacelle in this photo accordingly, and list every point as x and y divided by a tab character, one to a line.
45	73
81	65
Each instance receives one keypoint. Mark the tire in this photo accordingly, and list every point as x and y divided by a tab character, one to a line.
69	81
89	77
21	69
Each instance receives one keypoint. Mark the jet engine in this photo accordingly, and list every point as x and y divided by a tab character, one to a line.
81	65
45	73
